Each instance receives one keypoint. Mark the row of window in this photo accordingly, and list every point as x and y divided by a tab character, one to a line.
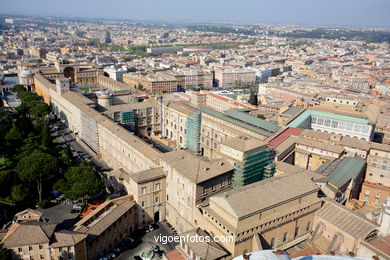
358	128
156	188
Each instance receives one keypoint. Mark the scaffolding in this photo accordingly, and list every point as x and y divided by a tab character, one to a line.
193	132
128	120
255	167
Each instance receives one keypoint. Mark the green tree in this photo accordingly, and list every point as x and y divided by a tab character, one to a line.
5	254
253	99
13	139
39	109
36	168
30	144
27	96
19	193
80	181
260	116
18	88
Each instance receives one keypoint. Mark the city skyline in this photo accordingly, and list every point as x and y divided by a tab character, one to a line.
362	13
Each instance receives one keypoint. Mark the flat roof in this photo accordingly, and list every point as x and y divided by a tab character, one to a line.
303	116
235	121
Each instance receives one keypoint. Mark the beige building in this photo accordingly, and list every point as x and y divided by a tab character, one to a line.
153	83
216	127
376	185
148	188
190	181
234	77
175	115
107	225
338	229
274	213
39	240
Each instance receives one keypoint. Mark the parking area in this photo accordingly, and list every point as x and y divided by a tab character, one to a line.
61	214
147	241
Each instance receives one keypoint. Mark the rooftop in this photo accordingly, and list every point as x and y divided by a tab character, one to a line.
341	171
287	186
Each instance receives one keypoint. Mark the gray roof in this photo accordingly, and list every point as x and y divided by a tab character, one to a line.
244	144
341	171
256	197
252	120
147	175
346	220
236	121
28	233
196	168
67	238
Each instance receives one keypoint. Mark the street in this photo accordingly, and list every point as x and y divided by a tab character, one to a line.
147	241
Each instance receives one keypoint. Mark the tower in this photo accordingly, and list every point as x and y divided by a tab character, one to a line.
62	85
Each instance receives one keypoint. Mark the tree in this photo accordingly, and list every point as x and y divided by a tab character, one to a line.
37	167
253	99
19	193
140	86
80	181
260	116
39	109
13	139
5	254
18	88
30	144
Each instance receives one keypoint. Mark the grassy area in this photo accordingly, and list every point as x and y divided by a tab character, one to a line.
85	89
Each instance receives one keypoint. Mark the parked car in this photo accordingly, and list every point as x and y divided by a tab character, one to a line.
77	206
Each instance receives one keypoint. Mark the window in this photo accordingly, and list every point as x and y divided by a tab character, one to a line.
341	125
297	229
204	190
30	248
320	121
357	128
157	186
40	247
167	197
335	124
272	244
313	120
143	190
143	204
327	122
157	199
349	126
308	226
285	237
20	250
213	188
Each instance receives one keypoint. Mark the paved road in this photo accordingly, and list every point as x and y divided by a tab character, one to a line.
148	241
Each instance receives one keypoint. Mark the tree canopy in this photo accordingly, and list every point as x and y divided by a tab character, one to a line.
36	168
80	181
253	99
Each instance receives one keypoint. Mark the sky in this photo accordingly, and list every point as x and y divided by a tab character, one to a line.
330	13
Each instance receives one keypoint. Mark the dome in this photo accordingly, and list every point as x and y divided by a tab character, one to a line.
26	73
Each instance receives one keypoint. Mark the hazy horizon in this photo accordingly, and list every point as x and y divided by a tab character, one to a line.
331	13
